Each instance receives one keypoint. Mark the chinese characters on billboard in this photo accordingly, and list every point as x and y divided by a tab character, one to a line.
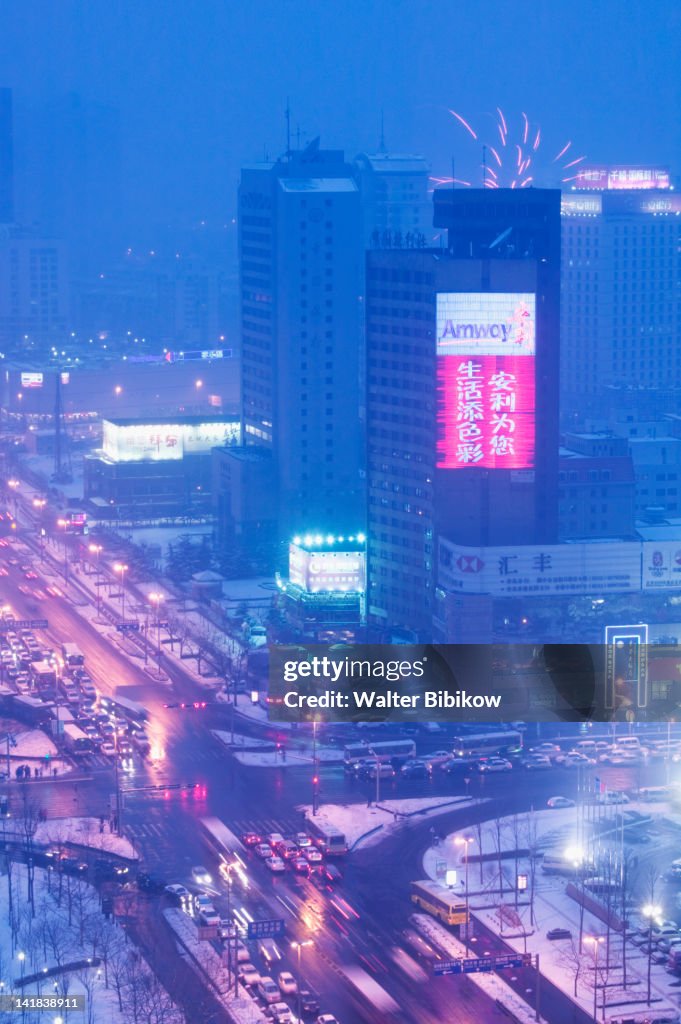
485	380
326	571
135	442
622	177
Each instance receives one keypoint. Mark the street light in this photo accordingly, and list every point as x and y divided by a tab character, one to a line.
653	912
595	941
465	841
39	504
299	947
63	524
120	569
96	549
156	600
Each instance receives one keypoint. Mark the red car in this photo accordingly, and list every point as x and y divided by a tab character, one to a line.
251	839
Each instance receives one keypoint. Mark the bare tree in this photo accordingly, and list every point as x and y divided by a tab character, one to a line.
498	829
574	961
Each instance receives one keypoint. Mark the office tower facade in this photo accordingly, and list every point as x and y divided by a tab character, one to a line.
397	208
6	158
621	325
34	292
301	263
462	394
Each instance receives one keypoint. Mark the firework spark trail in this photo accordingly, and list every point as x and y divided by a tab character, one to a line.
463	122
516	173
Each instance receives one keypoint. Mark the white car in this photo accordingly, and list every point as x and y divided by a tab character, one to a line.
276	864
201	875
179	891
287	983
108	749
326	1018
263	850
438	757
495	764
269	990
249	974
560	801
302	840
280	1013
546	749
311	855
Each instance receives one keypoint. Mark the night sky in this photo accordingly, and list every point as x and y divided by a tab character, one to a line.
133	118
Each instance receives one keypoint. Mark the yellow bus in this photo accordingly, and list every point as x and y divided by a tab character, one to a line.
439	901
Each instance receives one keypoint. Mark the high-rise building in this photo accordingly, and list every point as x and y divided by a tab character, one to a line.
6	158
462	393
395	200
301	263
621	288
34	291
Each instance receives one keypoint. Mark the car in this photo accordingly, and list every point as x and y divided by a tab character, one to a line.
415	770
201	875
659	958
302	840
309	1003
108	749
612	796
546	749
538	762
560	801
263	850
179	891
31	575
269	950
574	759
202	901
558	933
438	757
300	866
211	918
251	839
494	764
312	855
274	839
287	983
151	883
248	974
275	864
288	850
268	990
326	1018
280	1013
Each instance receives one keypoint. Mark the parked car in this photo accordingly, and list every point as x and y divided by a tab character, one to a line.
249	974
558	933
560	801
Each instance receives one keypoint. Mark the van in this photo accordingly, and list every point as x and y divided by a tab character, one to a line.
612	796
629	743
586	747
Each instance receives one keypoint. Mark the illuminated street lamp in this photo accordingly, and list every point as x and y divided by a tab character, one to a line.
156	600
96	550
653	912
299	947
120	569
465	841
64	525
39	504
595	941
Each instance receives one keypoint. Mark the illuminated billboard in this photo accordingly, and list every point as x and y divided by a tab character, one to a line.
140	442
485	380
327	571
31	380
622	177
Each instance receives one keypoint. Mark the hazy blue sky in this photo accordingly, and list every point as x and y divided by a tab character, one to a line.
194	88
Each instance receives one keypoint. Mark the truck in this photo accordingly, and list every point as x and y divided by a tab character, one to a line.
44	675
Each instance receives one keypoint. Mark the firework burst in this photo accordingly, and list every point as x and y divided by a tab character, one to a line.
511	156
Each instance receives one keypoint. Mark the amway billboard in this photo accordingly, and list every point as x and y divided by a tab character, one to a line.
486	380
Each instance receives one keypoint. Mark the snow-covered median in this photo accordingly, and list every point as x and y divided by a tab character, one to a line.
267	756
84	832
357	820
34	743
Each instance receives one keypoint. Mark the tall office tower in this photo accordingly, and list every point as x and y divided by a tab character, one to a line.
395	200
34	292
301	264
621	327
6	158
462	394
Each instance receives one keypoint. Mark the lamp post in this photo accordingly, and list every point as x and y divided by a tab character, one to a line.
63	524
156	600
120	569
465	841
653	912
96	550
39	504
299	947
595	941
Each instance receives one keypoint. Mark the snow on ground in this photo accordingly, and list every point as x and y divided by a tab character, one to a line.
551	832
34	743
160	536
355	820
67	928
287	757
84	832
206	961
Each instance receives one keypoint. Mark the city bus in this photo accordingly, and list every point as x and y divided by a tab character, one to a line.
223	844
72	655
482	744
327	837
439	901
394	751
121	707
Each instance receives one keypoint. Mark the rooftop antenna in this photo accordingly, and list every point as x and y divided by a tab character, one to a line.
288	129
381	145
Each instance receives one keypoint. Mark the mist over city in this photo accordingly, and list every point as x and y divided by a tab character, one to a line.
340	522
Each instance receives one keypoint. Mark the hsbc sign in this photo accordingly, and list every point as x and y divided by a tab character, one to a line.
469	563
